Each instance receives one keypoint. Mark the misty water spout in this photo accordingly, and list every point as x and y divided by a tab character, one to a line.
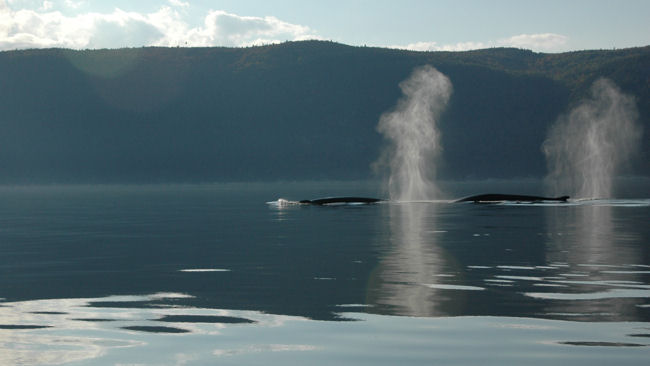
413	137
586	148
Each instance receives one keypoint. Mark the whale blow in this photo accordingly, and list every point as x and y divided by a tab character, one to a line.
587	148
413	137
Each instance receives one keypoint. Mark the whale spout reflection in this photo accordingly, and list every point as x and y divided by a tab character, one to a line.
497	197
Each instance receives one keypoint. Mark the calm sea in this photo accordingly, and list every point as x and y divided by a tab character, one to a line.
214	274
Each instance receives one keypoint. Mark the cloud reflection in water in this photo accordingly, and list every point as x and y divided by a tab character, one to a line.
60	331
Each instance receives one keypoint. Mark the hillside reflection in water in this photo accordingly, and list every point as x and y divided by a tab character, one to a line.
196	274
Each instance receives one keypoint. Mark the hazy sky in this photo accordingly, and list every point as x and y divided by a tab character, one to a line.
545	26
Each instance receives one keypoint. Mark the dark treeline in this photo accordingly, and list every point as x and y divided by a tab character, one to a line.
298	110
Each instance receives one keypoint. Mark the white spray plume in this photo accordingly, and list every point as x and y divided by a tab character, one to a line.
414	139
587	148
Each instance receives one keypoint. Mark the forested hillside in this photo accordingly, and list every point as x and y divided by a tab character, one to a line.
298	110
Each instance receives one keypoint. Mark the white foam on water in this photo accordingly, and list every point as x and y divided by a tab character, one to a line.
453	287
626	272
610	294
522	278
516	267
281	202
492	280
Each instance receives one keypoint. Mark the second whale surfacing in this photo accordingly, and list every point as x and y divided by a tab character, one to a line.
498	197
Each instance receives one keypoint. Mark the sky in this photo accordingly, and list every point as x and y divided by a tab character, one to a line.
423	25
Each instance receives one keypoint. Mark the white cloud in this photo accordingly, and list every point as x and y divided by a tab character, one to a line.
179	3
419	46
433	46
74	4
164	27
544	42
33	29
537	42
47	5
226	29
168	26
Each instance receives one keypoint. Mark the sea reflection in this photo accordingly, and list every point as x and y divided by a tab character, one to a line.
489	284
585	235
405	280
598	254
90	332
581	261
60	331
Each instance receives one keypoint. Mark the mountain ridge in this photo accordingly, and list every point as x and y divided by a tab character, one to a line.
296	110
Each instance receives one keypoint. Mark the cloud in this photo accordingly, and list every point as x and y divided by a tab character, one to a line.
38	29
47	5
74	4
544	42
226	29
433	46
165	27
44	26
179	3
541	42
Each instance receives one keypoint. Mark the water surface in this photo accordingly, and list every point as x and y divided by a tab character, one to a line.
205	274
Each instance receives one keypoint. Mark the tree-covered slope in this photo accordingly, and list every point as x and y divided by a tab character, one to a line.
298	110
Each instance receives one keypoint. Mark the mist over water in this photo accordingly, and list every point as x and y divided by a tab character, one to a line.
413	137
586	148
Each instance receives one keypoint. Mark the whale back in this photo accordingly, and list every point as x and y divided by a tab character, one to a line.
498	197
340	200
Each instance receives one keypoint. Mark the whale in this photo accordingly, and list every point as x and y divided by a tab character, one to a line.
481	198
498	197
340	200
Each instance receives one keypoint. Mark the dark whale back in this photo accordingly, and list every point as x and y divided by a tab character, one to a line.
335	200
497	197
481	198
